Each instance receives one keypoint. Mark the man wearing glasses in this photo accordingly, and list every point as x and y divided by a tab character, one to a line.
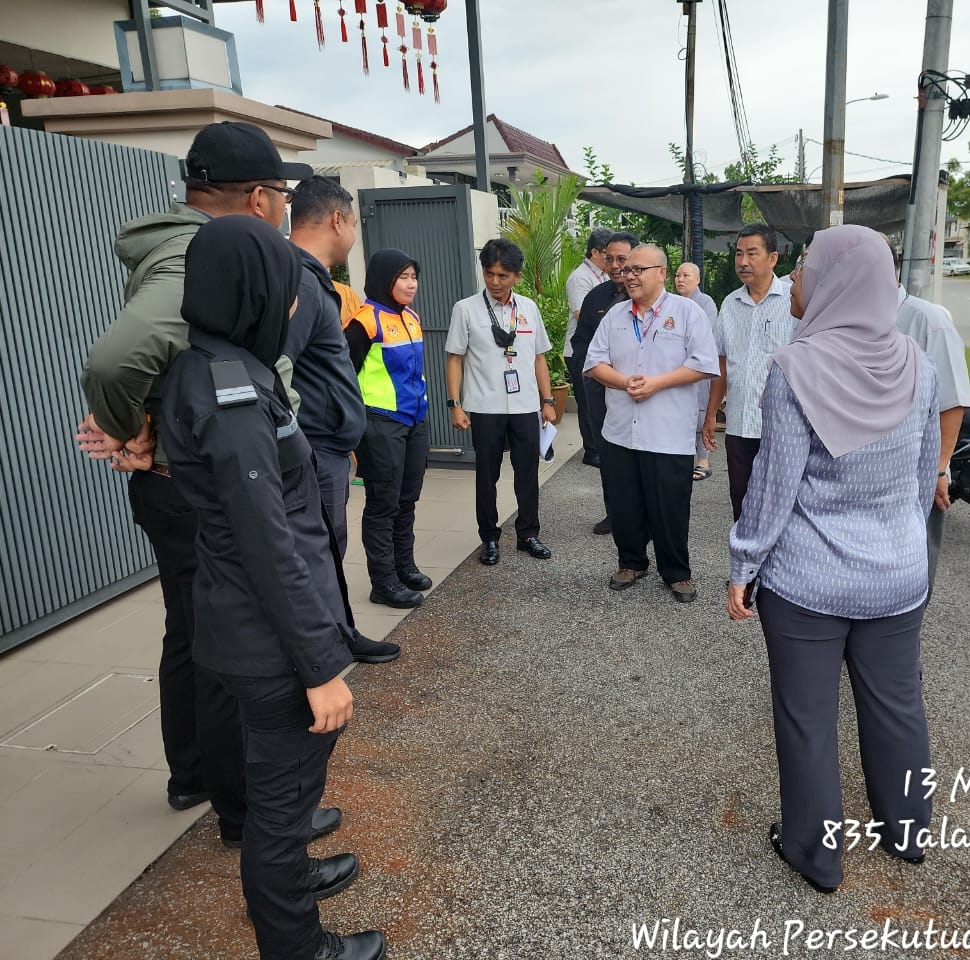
231	168
754	322
595	306
650	352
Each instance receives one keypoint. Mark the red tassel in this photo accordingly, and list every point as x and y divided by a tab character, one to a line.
343	25
363	47
360	6
387	58
260	12
434	80
321	40
420	78
381	14
293	10
404	67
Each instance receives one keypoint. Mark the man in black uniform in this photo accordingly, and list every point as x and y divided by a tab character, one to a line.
325	394
269	595
598	302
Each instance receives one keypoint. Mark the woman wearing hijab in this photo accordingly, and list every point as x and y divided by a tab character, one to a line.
834	528
387	350
267	597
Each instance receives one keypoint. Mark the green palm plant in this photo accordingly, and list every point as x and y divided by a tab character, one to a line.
539	224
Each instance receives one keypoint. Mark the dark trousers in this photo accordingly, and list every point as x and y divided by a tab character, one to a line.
741	452
651	501
596	405
286	772
200	721
333	478
391	458
805	654
575	367
490	432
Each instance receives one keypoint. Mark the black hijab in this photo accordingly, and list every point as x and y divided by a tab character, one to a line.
241	277
384	268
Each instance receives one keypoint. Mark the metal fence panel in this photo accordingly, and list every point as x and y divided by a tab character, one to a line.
68	542
433	225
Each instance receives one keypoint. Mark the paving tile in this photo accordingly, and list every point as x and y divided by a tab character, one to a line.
26	938
124	826
38	690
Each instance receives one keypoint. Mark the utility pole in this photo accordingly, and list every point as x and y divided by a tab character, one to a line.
921	213
475	69
800	166
693	211
833	150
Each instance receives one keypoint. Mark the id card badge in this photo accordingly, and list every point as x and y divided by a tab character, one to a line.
511	381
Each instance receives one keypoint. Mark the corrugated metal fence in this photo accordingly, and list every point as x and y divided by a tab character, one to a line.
68	542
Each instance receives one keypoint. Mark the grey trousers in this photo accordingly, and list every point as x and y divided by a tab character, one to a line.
805	654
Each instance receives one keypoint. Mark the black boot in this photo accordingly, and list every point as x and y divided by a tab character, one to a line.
396	595
413	578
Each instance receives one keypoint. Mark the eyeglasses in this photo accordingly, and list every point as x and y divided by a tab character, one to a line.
636	269
610	259
288	193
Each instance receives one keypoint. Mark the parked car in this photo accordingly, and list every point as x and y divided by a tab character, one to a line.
955	268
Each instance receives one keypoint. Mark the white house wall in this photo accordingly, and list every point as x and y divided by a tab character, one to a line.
465	144
65	27
343	148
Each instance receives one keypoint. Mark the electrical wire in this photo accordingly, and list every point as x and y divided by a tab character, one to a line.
741	128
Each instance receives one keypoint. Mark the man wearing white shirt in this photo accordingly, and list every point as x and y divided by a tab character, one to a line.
753	323
650	352
589	274
931	326
497	381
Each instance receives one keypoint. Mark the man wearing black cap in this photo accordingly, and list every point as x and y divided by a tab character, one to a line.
231	168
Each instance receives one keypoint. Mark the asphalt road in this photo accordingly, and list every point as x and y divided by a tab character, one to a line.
956	298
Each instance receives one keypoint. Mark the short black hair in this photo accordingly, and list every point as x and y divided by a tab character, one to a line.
316	199
624	236
598	239
760	230
504	252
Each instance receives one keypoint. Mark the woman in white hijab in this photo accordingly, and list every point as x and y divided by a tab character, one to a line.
833	531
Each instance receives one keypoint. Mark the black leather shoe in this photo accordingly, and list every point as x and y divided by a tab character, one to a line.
325	821
333	874
396	595
534	547
604	527
591	459
364	650
369	945
774	835
414	579
185	801
489	553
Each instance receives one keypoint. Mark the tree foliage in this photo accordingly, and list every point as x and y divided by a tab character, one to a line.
958	193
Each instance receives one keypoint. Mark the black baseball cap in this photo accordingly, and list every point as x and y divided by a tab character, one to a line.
234	152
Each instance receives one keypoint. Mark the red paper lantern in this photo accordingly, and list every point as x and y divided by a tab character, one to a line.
36	83
71	88
8	76
102	89
432	10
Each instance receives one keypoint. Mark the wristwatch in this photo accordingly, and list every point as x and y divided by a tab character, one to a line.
453	403
550	400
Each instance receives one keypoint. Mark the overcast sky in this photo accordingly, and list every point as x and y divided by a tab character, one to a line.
609	74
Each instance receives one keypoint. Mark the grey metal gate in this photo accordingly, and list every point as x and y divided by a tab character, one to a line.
68	542
434	225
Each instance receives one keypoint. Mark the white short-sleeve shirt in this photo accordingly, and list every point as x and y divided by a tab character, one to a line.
483	387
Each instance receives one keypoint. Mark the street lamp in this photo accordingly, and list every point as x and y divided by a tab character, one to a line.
875	96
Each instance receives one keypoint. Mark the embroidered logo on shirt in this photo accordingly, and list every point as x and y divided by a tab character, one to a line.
669	323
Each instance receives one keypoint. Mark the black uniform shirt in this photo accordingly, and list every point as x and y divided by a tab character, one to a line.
262	553
595	306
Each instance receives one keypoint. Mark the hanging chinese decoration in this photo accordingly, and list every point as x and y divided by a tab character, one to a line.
428	11
8	77
36	83
71	88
